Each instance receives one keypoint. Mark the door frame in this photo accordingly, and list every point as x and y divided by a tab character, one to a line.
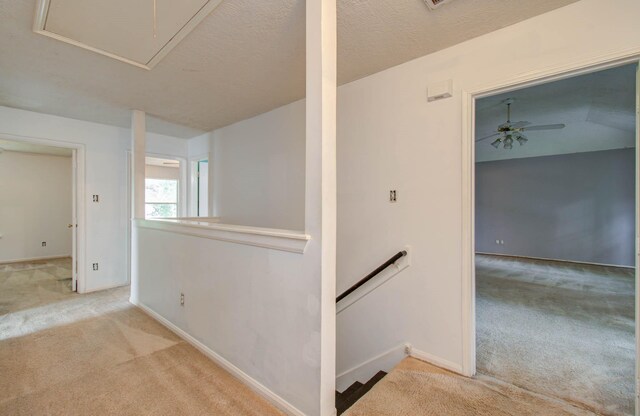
193	185
78	201
469	98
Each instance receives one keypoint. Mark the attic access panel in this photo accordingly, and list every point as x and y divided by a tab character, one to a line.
139	32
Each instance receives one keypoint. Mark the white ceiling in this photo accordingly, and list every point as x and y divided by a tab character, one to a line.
24	147
598	110
245	58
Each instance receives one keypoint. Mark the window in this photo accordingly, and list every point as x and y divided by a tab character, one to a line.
161	198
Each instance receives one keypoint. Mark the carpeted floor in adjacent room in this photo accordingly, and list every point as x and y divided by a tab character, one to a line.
561	329
67	354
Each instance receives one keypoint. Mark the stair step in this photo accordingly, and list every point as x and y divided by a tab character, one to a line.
356	391
341	398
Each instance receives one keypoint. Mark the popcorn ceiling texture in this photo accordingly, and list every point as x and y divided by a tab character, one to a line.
244	59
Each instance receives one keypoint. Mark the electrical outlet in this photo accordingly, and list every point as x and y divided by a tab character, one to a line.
95	266
393	195
181	299
96	198
44	244
497	241
501	242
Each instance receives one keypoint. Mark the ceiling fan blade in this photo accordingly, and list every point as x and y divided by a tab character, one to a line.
488	137
520	124
545	127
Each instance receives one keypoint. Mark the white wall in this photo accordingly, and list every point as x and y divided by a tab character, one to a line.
35	206
390	137
576	207
106	175
255	307
258	170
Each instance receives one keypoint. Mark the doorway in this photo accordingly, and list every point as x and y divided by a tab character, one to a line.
552	237
41	218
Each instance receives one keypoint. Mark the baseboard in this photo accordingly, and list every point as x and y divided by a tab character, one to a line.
367	369
28	259
437	361
556	260
101	288
256	386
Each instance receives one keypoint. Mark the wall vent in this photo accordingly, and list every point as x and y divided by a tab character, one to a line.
434	4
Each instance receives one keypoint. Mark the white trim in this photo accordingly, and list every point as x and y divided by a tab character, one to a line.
284	240
255	385
28	259
79	201
193	183
437	361
386	275
468	238
40	19
106	287
552	73
637	247
364	371
515	256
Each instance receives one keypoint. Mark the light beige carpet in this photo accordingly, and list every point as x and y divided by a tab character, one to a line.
560	329
415	388
68	354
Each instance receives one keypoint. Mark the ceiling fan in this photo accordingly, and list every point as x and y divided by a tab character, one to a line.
508	132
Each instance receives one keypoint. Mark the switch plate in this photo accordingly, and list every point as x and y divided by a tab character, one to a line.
44	244
96	198
95	266
181	299
393	195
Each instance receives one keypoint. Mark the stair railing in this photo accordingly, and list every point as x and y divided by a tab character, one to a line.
371	275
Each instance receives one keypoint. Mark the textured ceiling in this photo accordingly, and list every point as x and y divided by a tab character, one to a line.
598	110
245	58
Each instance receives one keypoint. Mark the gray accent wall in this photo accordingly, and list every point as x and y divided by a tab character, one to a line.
577	207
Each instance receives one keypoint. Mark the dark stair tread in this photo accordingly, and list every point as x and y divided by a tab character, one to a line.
348	400
342	397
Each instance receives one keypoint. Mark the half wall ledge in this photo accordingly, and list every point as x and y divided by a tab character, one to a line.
284	240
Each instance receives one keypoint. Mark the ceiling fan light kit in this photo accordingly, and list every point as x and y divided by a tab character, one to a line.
434	4
507	132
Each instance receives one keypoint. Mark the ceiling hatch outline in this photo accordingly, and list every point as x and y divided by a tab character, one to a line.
42	12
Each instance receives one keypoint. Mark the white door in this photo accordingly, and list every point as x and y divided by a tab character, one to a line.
74	222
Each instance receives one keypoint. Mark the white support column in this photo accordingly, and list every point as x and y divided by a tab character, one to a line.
138	144
320	195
